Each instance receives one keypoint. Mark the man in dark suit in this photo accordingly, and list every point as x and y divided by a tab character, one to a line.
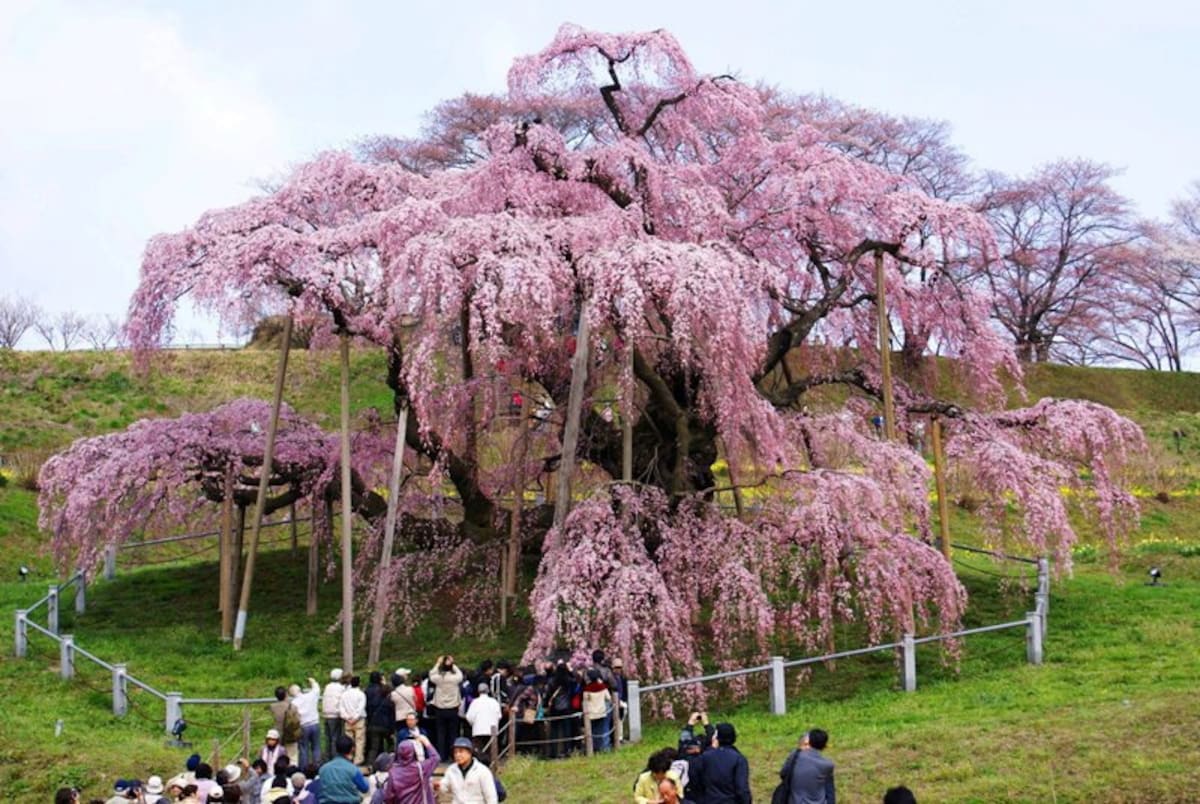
812	773
721	775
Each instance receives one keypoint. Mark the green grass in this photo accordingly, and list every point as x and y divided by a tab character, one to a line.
1112	716
1119	678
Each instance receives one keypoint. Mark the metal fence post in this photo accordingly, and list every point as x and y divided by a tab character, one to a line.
66	656
778	687
174	710
110	562
119	691
52	609
20	635
81	594
494	750
909	649
588	746
1043	590
1033	637
634	692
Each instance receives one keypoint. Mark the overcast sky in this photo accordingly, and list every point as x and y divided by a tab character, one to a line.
119	120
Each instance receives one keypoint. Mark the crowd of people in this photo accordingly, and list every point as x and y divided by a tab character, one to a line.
348	743
707	768
385	743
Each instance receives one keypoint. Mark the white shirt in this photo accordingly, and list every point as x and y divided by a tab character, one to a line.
478	787
306	705
333	696
483	714
353	705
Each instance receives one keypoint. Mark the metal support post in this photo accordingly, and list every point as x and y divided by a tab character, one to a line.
81	594
1043	591
110	562
20	635
174	710
1033	638
634	691
909	648
588	746
120	691
52	609
778	687
66	656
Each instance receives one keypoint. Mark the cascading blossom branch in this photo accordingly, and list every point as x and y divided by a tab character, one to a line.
103	490
1019	462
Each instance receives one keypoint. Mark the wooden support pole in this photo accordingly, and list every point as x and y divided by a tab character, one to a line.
295	529
627	430
885	349
246	732
939	477
347	517
512	556
239	629
389	535
570	442
314	564
227	561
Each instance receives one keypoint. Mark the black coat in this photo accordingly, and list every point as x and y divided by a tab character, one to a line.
381	712
720	776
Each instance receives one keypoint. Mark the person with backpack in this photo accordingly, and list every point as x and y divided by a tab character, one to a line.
410	778
559	711
287	722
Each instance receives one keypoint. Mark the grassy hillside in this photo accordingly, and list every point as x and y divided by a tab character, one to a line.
1119	679
50	398
1120	675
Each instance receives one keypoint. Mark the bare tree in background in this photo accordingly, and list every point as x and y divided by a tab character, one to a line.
17	315
63	330
103	332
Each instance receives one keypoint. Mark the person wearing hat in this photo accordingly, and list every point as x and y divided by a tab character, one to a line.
597	706
468	781
721	775
153	790
227	778
330	700
404	700
483	714
410	777
379	774
120	792
341	780
271	750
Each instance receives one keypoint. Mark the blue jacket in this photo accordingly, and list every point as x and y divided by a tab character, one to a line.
723	777
342	782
